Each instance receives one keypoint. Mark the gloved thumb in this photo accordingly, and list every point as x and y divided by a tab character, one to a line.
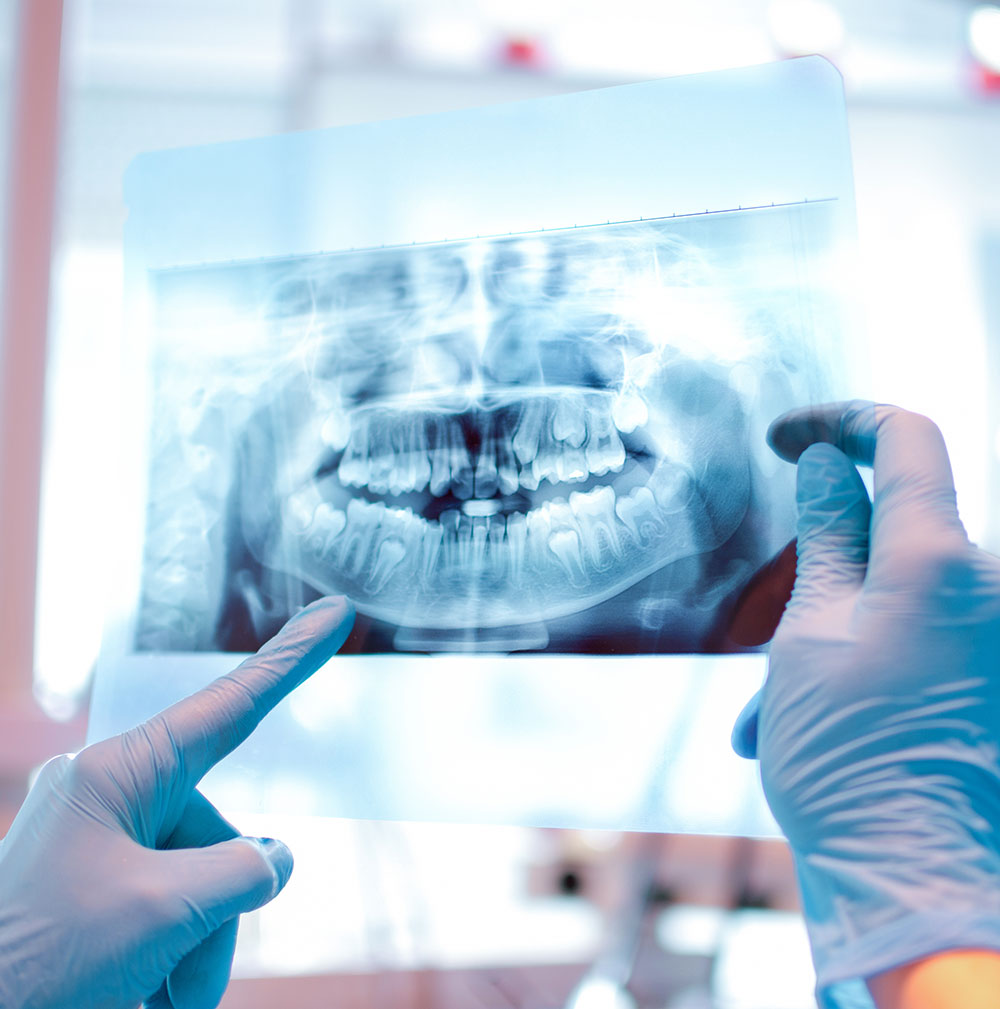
224	880
744	738
833	527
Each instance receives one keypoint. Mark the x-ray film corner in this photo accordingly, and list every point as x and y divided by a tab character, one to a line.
543	441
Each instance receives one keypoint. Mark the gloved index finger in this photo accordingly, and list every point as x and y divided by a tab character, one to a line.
914	489
191	736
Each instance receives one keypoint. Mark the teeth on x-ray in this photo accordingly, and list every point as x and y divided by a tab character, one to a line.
495	433
566	441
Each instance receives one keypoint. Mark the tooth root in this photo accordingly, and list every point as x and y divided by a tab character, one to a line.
355	543
497	553
430	549
529	431
539	528
640	514
629	410
569	423
464	542
565	544
480	531
449	521
595	515
388	557
517	534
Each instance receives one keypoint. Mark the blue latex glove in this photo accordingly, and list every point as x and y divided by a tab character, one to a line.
878	726
118	880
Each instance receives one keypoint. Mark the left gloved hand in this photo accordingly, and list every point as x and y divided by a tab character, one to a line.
119	881
878	729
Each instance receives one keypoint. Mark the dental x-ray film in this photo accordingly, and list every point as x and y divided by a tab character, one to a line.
501	376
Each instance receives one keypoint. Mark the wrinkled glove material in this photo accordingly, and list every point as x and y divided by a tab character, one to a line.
878	727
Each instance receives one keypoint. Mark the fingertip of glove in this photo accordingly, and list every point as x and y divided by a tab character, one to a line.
279	857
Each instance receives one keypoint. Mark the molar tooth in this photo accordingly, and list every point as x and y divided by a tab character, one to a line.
356	541
595	513
529	430
672	486
569	423
639	513
387	559
565	544
328	523
336	430
299	509
571	466
517	534
605	452
629	410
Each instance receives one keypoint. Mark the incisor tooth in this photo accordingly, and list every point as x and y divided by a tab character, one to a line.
462	474
529	431
487	476
517	534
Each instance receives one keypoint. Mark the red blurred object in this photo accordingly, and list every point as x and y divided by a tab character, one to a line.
522	52
762	602
987	80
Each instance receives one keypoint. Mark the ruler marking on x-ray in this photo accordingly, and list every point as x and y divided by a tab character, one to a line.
499	234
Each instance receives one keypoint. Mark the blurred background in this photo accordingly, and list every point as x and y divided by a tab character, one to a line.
427	915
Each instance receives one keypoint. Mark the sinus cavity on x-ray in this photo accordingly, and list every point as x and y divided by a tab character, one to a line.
502	376
547	441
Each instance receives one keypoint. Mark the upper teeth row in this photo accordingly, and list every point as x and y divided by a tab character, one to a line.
563	441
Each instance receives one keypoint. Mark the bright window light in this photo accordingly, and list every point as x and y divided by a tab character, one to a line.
984	36
801	27
75	477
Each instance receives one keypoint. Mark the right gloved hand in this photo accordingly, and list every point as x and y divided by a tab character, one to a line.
878	728
119	881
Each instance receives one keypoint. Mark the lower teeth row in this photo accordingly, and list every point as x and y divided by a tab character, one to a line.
372	543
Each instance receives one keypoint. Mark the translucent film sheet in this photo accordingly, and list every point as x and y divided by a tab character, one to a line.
502	377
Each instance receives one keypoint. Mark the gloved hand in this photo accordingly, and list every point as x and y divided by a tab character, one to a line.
119	881
878	727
